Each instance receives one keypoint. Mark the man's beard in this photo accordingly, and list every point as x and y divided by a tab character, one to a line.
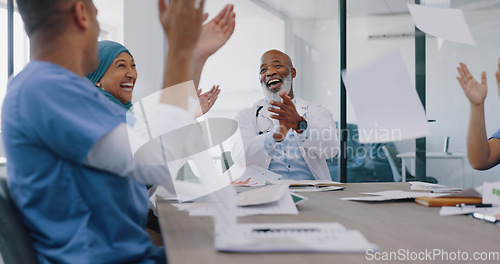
286	86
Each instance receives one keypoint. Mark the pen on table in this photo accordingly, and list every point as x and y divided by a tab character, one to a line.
443	191
477	205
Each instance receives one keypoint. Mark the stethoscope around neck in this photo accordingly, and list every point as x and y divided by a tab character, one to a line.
262	131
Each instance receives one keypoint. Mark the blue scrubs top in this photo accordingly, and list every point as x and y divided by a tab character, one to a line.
496	134
51	118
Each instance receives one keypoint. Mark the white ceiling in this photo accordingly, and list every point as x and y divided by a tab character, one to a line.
320	9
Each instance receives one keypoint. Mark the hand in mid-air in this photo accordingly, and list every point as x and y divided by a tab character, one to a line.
475	92
182	23
207	99
217	32
286	114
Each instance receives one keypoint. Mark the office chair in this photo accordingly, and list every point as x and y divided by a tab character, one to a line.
15	244
391	152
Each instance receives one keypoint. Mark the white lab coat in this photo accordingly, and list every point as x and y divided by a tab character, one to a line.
322	143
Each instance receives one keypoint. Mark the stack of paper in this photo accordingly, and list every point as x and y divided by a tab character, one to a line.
431	187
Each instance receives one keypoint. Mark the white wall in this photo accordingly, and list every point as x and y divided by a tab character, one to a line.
144	37
110	15
235	67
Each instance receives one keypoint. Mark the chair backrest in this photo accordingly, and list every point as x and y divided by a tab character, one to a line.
15	244
393	161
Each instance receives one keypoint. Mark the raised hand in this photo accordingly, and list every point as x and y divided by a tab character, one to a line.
207	100
475	92
216	33
181	21
286	114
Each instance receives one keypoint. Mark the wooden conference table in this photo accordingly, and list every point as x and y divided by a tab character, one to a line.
397	226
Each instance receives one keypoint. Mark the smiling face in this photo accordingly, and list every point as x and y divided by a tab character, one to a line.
120	77
276	74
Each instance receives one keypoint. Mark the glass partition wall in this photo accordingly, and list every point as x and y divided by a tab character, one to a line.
375	28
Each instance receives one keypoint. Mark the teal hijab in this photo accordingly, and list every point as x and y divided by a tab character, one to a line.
108	51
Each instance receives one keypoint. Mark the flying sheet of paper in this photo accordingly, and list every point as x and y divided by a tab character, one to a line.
386	103
446	23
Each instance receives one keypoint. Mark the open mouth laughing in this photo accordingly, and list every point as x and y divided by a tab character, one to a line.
127	87
274	84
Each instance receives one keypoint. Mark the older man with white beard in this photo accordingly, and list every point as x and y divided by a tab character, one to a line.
283	133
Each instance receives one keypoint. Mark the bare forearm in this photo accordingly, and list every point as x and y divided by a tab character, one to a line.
478	150
197	63
177	70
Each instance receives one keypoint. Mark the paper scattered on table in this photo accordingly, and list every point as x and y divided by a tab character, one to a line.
310	185
315	189
284	206
250	176
390	195
469	192
446	23
264	195
306	182
386	103
432	187
491	193
275	199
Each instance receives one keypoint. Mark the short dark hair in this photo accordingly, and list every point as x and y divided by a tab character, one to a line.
42	14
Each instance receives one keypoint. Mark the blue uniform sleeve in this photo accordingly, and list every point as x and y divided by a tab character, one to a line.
68	116
496	134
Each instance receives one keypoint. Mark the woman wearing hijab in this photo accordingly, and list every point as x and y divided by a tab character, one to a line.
116	75
115	78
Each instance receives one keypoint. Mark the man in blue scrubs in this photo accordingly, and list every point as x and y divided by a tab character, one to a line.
75	183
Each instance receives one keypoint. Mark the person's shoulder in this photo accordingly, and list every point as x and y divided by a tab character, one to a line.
46	77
